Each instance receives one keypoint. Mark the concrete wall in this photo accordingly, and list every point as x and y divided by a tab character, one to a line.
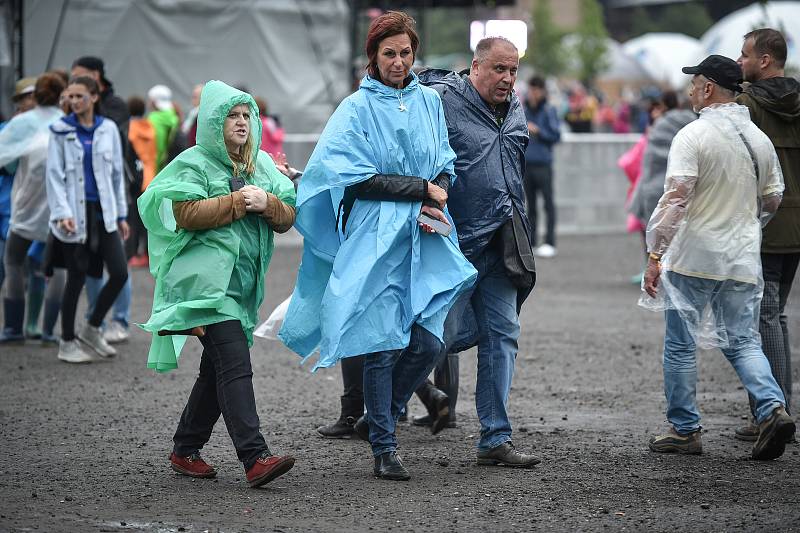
589	187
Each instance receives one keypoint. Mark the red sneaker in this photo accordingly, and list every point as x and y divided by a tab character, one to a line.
268	467
139	261
192	466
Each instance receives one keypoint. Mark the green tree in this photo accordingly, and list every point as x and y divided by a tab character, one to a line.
691	19
591	47
546	53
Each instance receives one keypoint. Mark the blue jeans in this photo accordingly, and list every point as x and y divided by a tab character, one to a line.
390	378
494	303
121	311
735	307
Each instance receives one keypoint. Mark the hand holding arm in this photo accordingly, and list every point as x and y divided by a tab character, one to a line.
255	199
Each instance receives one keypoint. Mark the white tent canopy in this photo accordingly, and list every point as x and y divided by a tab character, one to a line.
620	65
294	53
725	37
663	55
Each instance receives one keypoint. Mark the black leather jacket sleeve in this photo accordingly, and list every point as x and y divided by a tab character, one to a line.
392	187
384	187
443	181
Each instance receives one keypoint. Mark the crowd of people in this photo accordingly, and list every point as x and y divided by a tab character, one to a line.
386	287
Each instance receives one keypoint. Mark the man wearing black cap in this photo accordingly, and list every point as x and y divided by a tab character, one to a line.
111	105
774	103
704	268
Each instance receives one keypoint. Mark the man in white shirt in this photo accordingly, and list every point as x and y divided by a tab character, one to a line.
722	181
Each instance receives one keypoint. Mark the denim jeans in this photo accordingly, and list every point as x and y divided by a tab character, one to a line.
121	310
494	302
390	378
735	306
224	386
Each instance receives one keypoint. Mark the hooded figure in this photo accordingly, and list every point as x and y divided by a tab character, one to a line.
208	276
361	291
774	105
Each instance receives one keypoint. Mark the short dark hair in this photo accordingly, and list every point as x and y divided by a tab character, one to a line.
48	89
670	99
389	24
770	42
537	81
136	106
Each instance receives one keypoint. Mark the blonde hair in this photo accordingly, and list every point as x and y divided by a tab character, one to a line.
244	162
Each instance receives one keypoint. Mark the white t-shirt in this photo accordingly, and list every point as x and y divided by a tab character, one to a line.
720	237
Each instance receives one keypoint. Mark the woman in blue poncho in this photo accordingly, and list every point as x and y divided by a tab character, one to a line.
373	280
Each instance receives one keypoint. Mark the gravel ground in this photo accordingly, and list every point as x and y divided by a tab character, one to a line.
84	448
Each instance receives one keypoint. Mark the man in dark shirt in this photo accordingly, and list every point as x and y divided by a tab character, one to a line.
111	105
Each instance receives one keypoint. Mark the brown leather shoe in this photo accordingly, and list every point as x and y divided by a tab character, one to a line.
268	467
192	466
773	434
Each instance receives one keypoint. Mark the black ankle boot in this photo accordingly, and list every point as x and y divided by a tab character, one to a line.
437	404
389	466
341	429
361	429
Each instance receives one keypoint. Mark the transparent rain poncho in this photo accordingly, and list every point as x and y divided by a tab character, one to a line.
708	221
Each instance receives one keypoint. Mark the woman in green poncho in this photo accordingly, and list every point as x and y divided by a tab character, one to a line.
210	215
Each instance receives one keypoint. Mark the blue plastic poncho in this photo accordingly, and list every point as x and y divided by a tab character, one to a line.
361	292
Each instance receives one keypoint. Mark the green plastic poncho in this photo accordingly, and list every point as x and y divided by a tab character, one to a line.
208	276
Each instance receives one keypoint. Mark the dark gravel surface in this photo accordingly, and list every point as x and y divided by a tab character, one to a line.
84	448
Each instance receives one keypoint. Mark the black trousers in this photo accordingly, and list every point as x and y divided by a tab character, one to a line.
353	382
223	386
100	245
539	181
773	324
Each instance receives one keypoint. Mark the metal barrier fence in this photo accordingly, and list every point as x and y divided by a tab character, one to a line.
589	187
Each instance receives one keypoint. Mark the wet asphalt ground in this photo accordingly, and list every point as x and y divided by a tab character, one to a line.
84	448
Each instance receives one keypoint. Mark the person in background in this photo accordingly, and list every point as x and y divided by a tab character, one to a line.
23	101
140	164
164	120
88	210
272	136
189	126
111	106
545	131
668	119
773	100
24	145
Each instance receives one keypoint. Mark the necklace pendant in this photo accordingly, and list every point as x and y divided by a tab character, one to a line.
402	107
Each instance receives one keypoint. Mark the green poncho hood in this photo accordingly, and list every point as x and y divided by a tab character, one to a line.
208	276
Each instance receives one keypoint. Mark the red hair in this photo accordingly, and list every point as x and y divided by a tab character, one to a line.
389	24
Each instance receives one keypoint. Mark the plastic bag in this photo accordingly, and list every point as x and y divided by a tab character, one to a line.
270	328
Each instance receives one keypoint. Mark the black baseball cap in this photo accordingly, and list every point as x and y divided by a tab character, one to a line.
722	70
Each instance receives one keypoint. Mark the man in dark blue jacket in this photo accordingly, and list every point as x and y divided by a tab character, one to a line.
543	128
488	132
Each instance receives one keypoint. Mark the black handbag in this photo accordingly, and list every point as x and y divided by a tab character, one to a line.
517	253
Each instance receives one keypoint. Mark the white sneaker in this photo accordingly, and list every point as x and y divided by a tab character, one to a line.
545	250
71	352
93	338
116	333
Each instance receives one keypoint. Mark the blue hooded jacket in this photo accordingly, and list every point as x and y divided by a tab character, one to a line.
361	292
490	165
